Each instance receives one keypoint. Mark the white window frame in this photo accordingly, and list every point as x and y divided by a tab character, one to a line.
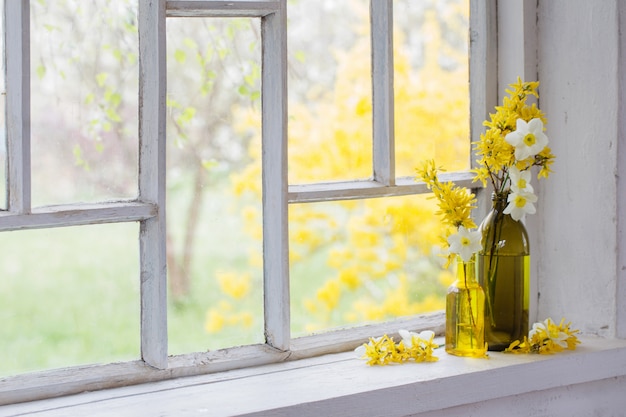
149	208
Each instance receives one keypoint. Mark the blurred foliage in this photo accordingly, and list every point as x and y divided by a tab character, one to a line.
379	256
351	261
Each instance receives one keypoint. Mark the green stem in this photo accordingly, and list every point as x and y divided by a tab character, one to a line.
469	300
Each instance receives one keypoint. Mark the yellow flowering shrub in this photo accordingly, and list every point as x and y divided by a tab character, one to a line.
366	260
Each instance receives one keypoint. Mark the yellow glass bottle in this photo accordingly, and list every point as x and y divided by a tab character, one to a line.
465	320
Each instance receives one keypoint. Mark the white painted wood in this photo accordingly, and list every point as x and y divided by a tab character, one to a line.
74	380
620	325
77	214
17	56
347	339
520	19
352	190
381	21
482	64
345	386
152	239
274	160
578	245
212	8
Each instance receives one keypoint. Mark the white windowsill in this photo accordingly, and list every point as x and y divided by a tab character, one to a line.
340	384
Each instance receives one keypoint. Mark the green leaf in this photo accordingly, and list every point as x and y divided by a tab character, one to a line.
131	57
115	99
101	78
41	71
171	103
190	43
209	164
180	56
300	56
187	115
112	115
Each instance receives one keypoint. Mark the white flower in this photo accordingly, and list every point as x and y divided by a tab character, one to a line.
520	180
410	337
549	330
361	351
520	204
528	138
465	243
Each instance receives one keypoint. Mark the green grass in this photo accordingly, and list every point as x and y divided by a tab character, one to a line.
70	296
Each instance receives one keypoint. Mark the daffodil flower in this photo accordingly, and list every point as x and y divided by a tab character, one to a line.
520	204
549	330
546	338
465	243
410	338
520	180
528	138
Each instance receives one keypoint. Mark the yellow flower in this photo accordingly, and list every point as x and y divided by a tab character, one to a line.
330	294
514	138
350	278
413	347
234	285
546	338
455	203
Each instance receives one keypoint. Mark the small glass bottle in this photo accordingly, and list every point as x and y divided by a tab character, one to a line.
504	273
465	302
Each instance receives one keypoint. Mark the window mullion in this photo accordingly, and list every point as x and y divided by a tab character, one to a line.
381	18
152	90
274	160
17	56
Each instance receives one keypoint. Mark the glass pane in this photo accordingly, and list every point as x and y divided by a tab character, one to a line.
84	100
431	84
3	131
330	97
366	261
215	263
68	296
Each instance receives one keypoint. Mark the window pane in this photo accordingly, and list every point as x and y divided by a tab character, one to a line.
330	97
3	131
431	84
84	100
215	262
365	261
68	296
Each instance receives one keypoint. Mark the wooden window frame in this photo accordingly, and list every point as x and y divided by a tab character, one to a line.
149	207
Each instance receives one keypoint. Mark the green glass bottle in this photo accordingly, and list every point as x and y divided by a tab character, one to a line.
504	274
465	302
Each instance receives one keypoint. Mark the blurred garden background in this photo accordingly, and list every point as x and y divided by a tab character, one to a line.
70	296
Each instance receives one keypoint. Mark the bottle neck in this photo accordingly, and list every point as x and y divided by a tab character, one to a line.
466	271
499	200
